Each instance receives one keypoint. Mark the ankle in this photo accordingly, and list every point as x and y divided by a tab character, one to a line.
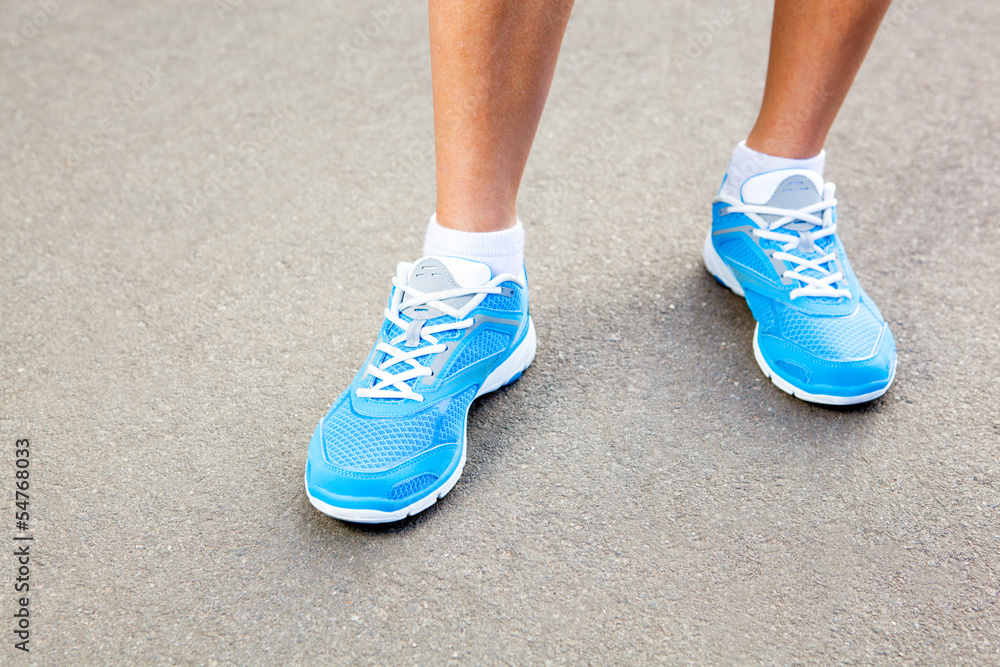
502	251
746	163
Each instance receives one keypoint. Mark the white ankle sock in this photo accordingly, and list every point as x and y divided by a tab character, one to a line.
747	162
502	251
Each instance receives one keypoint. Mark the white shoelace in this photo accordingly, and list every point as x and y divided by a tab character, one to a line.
415	332
825	285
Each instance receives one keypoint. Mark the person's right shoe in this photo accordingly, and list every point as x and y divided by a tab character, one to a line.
819	337
394	442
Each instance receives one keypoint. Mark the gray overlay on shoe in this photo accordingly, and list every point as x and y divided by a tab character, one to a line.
794	193
797	192
442	358
779	266
429	275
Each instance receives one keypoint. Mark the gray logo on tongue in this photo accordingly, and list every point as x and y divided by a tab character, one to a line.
429	276
794	193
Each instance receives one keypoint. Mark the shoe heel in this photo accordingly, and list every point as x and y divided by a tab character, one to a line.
513	378
718	268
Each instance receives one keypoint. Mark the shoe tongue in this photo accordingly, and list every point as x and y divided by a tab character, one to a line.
792	189
788	188
437	274
784	188
434	274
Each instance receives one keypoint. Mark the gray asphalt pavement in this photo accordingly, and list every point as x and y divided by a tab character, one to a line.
201	207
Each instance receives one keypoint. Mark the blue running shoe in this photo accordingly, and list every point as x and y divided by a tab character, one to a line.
819	337
394	441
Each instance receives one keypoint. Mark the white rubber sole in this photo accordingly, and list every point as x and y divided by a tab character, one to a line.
504	374
375	516
718	268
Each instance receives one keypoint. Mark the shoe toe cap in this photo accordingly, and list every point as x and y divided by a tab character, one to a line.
809	372
385	489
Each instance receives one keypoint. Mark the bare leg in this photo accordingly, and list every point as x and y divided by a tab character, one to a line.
492	64
817	47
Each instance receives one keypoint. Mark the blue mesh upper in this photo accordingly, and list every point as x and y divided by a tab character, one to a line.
833	338
484	343
411	486
743	252
867	302
827	244
762	309
509	304
374	443
794	370
496	302
390	331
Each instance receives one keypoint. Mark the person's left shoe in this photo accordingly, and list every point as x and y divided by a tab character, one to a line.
394	442
819	337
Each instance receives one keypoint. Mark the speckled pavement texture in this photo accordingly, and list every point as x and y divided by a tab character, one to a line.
201	207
